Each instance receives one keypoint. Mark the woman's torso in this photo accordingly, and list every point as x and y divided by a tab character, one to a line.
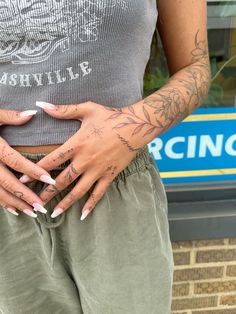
70	52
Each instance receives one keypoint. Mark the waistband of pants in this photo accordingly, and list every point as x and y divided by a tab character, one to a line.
141	159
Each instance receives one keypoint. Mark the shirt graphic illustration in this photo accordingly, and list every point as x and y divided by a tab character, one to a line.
30	30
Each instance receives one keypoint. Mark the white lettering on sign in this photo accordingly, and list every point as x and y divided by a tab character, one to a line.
193	146
169	148
208	144
230	150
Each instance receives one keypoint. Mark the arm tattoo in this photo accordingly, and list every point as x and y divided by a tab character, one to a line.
174	101
139	122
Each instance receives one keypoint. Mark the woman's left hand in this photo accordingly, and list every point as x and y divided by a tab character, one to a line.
98	151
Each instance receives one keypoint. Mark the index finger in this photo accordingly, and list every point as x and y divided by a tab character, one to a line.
57	157
54	158
15	160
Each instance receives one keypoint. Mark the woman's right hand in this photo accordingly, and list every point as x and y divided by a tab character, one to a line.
13	193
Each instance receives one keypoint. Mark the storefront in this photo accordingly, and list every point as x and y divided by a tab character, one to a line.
197	158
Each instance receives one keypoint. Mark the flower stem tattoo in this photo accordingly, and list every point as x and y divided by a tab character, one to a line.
172	103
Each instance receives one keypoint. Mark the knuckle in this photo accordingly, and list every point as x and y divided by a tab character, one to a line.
82	190
5	183
60	184
3	204
95	196
71	197
2	193
81	143
13	162
90	103
98	195
10	115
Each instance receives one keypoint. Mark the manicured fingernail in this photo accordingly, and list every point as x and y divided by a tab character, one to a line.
39	208
45	105
12	211
27	113
57	212
24	178
47	179
29	213
84	214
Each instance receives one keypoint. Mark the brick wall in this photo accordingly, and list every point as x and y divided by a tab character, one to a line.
204	277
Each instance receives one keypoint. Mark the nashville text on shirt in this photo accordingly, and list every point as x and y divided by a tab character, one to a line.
45	78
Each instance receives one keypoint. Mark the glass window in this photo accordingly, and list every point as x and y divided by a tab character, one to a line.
202	147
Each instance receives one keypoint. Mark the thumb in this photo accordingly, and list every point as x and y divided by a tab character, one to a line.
68	111
13	117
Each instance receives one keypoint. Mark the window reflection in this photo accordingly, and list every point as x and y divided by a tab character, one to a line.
222	48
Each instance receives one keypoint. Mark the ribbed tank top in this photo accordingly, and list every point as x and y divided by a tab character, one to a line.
70	51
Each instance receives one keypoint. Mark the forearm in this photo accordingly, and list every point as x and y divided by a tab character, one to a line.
171	104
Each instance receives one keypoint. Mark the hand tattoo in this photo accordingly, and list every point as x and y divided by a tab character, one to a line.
71	170
126	142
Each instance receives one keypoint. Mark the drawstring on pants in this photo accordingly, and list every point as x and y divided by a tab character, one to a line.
44	220
50	224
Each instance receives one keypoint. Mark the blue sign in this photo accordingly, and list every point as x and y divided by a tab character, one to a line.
200	148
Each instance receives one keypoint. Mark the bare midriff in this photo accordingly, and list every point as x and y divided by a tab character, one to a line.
36	149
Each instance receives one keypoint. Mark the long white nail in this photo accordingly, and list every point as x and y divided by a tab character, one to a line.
24	178
47	179
84	214
45	105
28	113
12	211
29	213
39	208
57	212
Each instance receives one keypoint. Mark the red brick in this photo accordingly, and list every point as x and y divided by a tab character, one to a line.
222	311
193	303
220	255
181	258
231	270
180	289
215	287
208	243
181	244
198	273
228	299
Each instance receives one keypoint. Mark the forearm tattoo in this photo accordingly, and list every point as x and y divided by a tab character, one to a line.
172	103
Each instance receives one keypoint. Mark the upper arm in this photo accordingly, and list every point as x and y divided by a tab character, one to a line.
182	25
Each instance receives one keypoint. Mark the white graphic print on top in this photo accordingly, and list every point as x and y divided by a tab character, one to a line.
30	30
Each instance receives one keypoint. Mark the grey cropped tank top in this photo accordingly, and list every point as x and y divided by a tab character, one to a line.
70	51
